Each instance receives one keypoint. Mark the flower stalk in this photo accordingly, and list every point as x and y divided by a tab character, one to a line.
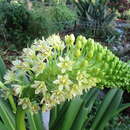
12	103
20	116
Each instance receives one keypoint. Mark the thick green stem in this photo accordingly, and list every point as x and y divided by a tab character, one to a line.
20	116
12	103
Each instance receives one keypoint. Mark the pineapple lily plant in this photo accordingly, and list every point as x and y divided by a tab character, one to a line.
53	70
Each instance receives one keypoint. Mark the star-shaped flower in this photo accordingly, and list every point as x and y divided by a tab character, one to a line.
65	64
63	81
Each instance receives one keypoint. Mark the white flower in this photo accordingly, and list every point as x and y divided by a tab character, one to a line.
30	53
54	39
58	96
16	62
38	67
76	90
25	102
40	87
17	89
70	39
81	75
56	42
65	64
10	76
63	82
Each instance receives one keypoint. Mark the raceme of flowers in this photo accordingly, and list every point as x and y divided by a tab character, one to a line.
52	71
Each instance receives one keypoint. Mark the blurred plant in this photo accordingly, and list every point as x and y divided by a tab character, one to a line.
55	1
60	18
14	19
129	62
19	26
126	15
40	24
52	71
121	122
120	5
97	18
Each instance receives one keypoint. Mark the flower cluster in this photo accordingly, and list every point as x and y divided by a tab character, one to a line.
54	70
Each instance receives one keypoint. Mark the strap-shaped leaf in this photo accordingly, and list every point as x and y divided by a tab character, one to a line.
6	115
59	117
2	69
112	107
35	121
80	119
71	114
88	101
109	104
3	126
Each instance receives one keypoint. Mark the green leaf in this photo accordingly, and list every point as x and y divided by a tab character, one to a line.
60	116
104	114
53	116
103	107
111	108
35	121
80	119
3	126
2	69
6	115
88	101
121	108
71	114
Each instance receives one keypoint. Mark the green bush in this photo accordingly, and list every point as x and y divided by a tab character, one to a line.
19	26
60	18
14	22
40	24
55	1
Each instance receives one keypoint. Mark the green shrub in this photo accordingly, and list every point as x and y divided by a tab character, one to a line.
60	18
40	24
55	1
14	21
20	26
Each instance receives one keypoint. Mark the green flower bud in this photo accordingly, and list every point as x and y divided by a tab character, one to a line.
108	58
84	63
110	71
77	53
99	57
90	42
79	38
105	66
95	71
90	54
84	40
69	39
112	65
78	44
